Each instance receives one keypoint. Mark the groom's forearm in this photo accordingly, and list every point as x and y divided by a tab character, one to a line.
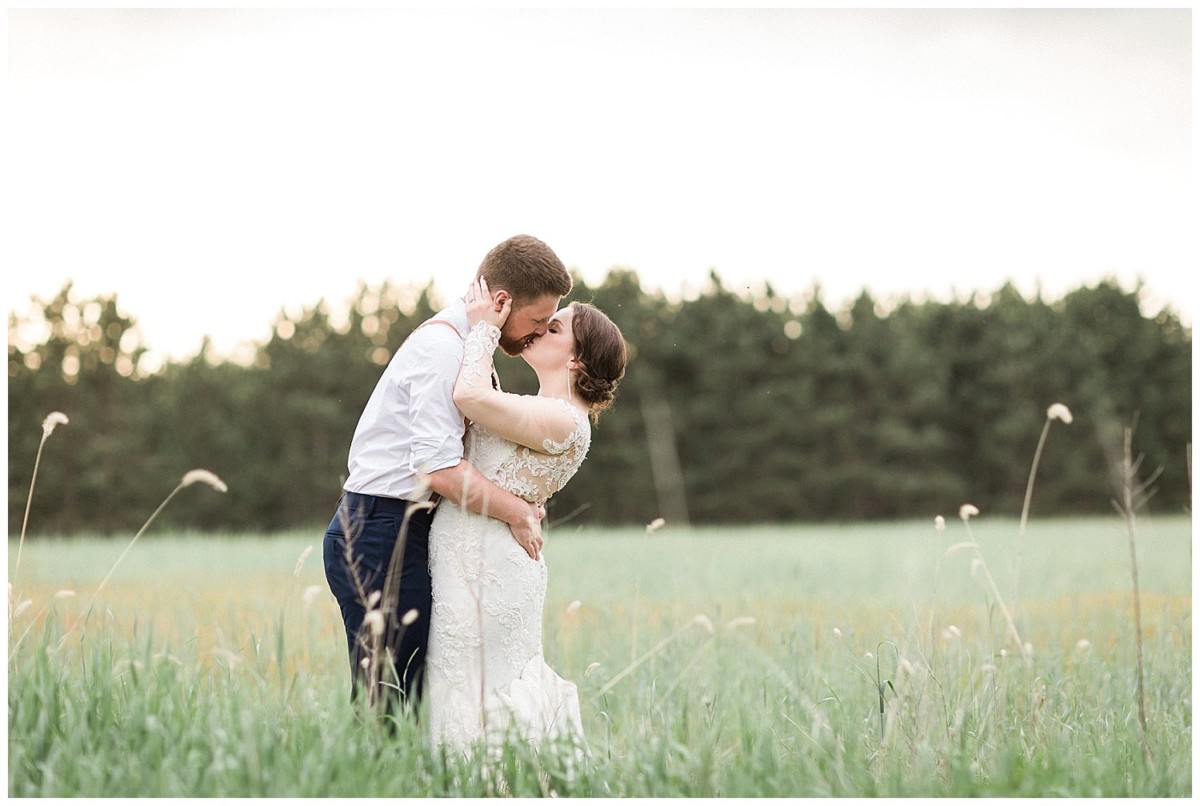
466	486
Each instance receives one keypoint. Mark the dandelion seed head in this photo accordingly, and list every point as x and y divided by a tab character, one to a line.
53	419
655	525
1058	411
573	607
409	617
939	523
967	511
374	622
703	621
593	666
205	477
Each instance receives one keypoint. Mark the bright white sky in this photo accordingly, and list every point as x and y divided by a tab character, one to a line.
212	167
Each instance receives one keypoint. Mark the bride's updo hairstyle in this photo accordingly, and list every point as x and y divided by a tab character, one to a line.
600	354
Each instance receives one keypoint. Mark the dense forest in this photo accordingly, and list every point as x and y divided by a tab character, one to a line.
739	405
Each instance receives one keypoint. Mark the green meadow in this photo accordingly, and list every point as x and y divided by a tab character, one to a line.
772	661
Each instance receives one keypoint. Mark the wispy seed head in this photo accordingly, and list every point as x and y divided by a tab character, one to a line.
741	621
374	621
205	477
409	616
573	607
374	598
64	594
300	562
310	594
939	523
976	564
655	525
591	668
1083	645
703	621
837	633
967	511
1058	411
957	547
54	418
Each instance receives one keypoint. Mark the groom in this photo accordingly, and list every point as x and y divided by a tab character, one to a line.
408	449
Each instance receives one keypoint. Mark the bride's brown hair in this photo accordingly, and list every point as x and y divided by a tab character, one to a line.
600	354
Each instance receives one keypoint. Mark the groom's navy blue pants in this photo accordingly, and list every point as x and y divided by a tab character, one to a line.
372	525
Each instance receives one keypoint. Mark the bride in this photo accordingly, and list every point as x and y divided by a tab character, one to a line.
486	672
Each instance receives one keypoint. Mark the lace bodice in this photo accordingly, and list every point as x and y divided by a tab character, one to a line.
533	474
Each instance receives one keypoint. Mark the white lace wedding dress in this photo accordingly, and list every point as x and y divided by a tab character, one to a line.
486	677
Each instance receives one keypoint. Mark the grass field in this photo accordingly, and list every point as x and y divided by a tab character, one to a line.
740	661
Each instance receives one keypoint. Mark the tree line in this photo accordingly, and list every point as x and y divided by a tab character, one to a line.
739	405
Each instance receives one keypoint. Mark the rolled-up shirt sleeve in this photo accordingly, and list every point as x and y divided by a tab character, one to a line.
437	424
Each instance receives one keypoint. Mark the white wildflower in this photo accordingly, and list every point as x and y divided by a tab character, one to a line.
573	607
1058	411
939	523
655	525
54	418
409	617
205	477
967	511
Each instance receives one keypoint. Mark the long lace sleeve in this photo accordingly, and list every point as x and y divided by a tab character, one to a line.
545	424
475	378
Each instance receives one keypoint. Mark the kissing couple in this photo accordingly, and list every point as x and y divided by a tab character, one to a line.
444	502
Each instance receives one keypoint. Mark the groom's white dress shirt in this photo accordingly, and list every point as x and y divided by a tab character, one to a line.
410	424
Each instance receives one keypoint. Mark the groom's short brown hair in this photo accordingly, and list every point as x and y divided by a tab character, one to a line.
526	268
